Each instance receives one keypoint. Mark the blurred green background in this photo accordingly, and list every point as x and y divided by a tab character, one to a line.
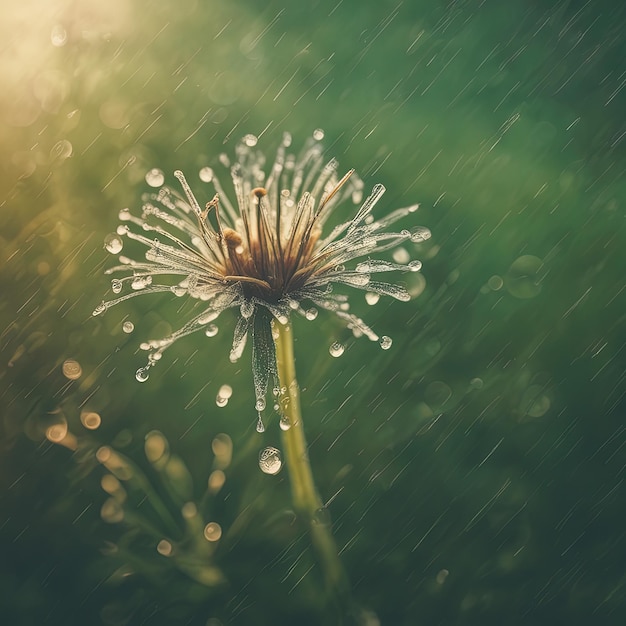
475	469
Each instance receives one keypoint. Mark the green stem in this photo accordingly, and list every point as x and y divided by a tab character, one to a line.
306	500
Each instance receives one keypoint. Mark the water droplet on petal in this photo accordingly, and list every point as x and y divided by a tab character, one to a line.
206	174
128	327
336	349
142	374
385	342
113	243
155	177
270	460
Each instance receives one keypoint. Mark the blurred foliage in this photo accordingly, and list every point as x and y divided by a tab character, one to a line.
475	470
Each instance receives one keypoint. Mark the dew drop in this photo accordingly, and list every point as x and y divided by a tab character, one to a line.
311	314
206	174
260	426
211	330
61	150
58	36
318	134
142	374
336	349
250	140
113	243
385	342
116	286
285	423
164	548
124	215
128	327
420	234
101	308
212	531
223	395
155	177
415	266
141	282
372	298
260	404
178	291
270	460
72	369
90	420
401	255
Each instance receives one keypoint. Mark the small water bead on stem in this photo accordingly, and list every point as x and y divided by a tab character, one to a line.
128	327
270	460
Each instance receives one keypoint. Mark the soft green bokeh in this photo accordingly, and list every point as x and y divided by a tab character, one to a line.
476	469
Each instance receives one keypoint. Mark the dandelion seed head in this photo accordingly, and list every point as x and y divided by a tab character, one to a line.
265	247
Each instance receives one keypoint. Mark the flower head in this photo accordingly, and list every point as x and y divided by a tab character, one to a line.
266	255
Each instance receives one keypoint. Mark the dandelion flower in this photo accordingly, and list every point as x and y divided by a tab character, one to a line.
267	254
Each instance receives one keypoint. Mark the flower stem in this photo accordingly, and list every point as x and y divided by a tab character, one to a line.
306	500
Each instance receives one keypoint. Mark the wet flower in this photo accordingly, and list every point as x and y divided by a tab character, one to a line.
266	255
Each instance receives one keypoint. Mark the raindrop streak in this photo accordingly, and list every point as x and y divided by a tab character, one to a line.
336	349
385	342
113	244
155	177
270	460
128	327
